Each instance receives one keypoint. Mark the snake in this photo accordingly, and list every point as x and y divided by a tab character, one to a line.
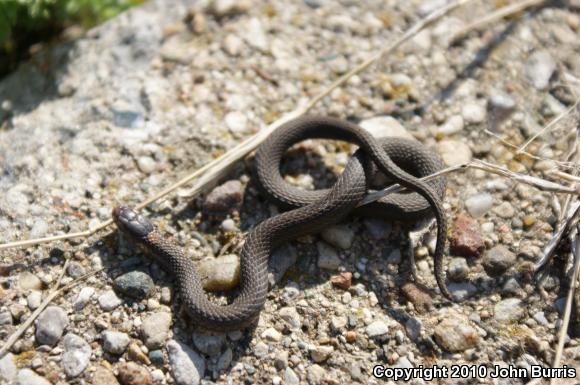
403	161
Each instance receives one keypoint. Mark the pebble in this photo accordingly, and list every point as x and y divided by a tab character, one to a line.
5	318
290	377
103	376
135	353
385	126
281	360
508	310
50	325
135	284
414	327
458	269
454	152
505	210
340	236
155	329
466	238
315	374
462	290
540	318
8	369
290	316
500	106
109	301
473	113
132	374
479	204
75	270
28	377
115	342
271	334
232	45
83	298
281	260
29	281
225	359
342	280
146	164
511	287
34	300
187	367
328	258
455	334
229	8
221	273
377	228
377	328
237	123
539	69
210	344
229	225
498	259
261	349
76	355
225	199
156	357
321	353
453	125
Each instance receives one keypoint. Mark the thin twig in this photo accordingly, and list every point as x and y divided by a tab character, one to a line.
494	16
568	308
217	167
550	125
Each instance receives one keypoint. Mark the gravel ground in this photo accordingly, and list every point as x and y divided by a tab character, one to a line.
123	111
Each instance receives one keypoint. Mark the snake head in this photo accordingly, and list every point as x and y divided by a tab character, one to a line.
132	223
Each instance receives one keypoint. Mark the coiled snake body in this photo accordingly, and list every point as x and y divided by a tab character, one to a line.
311	212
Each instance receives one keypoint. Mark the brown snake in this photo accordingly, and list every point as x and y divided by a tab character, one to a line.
310	212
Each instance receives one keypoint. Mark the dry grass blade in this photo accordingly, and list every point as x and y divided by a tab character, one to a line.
568	308
495	16
216	168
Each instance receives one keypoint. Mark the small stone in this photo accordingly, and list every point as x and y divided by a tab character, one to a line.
103	376
350	336
458	269
135	284
156	357
34	300
498	259
539	69
377	228
508	310
473	113
50	325
414	327
155	329
76	355
210	344
529	221
281	260
315	374
83	298
39	228
290	316
321	353
229	225
342	280
466	238
340	236
221	273
281	360
453	125
135	353
290	377
75	270
8	369
115	342
232	45
109	301
28	377
377	328
225	359
479	204
385	126
29	281
18	311
454	152
455	334
271	334
261	349
165	295
237	123
226	198
229	8
419	297
146	164
132	374
187	366
5	318
540	318
328	258
501	106
462	290
505	210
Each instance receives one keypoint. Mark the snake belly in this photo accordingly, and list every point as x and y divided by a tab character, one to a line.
309	212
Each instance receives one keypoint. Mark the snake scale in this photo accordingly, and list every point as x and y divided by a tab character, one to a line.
310	212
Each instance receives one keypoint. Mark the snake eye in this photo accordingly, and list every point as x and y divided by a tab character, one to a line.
132	223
